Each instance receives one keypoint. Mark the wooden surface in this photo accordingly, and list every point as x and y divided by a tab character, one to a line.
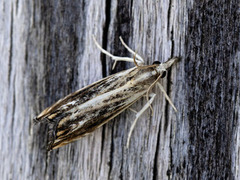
47	52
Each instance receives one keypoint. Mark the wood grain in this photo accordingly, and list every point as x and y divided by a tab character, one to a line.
47	52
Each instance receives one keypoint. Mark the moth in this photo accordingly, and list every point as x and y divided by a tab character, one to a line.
89	108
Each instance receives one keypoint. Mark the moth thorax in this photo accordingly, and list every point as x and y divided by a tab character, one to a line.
160	69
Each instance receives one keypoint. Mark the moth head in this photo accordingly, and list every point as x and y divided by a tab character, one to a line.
156	62
160	69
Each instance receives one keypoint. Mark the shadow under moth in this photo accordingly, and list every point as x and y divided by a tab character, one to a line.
85	110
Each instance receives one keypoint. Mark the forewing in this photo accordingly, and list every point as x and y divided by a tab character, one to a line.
102	86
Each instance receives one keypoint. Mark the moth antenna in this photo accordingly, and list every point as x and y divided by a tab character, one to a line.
131	51
135	62
115	58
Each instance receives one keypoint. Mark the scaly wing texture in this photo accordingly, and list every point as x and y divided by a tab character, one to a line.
102	86
87	109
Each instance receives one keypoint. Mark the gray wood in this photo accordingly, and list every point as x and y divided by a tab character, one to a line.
47	52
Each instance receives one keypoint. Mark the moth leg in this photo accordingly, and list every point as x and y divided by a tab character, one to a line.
131	51
166	96
147	105
115	58
133	110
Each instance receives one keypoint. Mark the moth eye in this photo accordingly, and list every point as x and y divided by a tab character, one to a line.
163	74
156	62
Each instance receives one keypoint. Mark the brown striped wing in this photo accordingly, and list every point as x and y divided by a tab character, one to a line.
87	109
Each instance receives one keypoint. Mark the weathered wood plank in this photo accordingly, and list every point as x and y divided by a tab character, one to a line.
47	52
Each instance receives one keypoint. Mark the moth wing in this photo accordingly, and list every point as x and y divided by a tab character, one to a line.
84	94
61	138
